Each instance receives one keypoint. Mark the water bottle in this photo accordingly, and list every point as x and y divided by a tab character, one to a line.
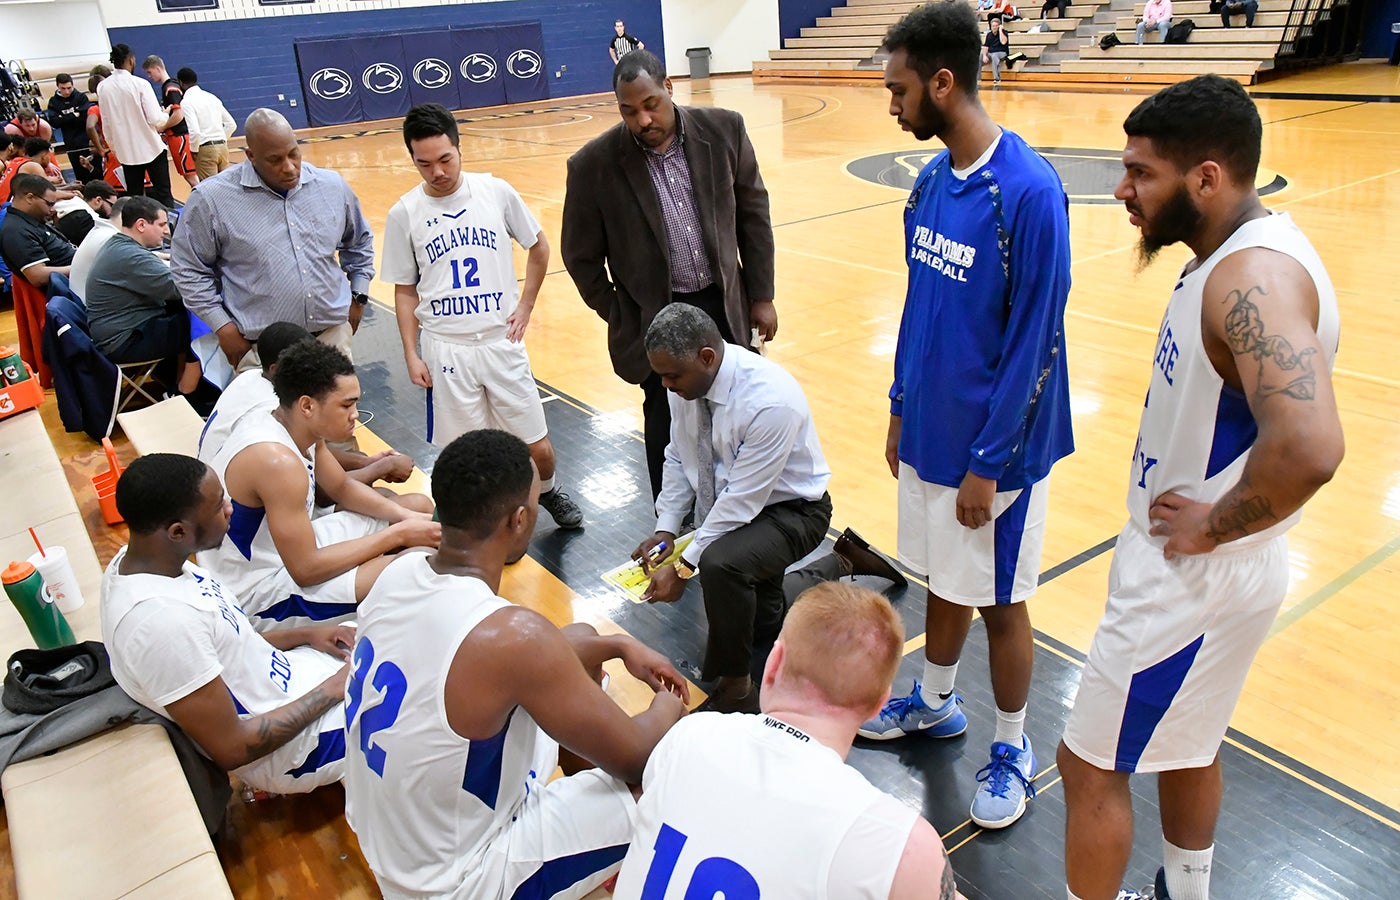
12	366
25	588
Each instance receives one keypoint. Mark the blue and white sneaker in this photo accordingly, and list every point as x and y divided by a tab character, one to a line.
1005	785
906	715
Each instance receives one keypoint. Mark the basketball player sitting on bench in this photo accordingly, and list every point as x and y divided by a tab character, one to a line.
460	700
763	804
252	392
286	568
268	708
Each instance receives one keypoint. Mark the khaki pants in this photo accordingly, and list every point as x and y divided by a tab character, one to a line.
210	160
337	336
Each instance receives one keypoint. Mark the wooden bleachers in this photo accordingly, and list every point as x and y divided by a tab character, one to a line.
844	43
1237	51
852	34
111	816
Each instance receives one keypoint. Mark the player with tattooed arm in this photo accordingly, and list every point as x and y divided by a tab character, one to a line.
1239	430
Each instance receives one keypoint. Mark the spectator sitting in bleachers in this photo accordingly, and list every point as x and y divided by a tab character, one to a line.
28	123
96	239
1157	14
995	48
1246	8
181	645
1003	10
76	216
134	310
30	246
251	393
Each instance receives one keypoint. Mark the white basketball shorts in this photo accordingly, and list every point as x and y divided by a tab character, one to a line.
481	385
279	602
997	563
1169	659
568	837
311	759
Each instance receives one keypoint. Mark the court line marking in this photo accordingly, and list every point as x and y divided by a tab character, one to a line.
1064	652
1334	587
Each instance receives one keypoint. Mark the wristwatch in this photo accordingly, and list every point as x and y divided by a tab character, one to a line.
684	569
361	299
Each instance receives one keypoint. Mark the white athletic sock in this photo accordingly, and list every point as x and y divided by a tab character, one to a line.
546	484
1011	726
938	682
1187	871
1072	894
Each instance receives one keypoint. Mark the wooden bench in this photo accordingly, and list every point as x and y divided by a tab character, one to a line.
170	426
111	816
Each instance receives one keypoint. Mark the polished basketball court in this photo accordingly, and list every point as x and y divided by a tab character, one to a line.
1312	793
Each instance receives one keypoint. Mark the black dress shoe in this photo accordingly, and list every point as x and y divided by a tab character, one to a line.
855	550
720	704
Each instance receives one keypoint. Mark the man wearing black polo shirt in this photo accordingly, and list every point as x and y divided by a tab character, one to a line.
32	248
68	109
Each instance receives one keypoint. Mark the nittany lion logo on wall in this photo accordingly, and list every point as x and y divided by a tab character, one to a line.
432	73
479	68
331	83
382	78
1089	174
524	64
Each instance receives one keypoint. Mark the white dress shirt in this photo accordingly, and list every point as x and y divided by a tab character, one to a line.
766	449
131	118
215	123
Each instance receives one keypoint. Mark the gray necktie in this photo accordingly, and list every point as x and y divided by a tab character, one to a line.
705	485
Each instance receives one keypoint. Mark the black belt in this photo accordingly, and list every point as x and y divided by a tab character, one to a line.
212	143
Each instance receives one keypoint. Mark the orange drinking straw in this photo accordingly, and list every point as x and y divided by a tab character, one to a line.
37	544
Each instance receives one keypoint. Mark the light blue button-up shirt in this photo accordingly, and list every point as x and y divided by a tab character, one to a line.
766	449
245	254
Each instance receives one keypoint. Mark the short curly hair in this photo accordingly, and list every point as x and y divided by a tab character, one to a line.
159	489
940	35
1207	117
479	479
308	369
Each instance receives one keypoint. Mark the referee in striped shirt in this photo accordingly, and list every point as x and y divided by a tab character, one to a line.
623	43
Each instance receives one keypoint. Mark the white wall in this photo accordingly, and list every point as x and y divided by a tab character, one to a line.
736	31
129	13
51	34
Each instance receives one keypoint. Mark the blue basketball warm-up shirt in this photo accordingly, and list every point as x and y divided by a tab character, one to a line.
980	379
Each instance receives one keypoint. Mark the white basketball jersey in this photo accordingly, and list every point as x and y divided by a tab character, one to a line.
260	677
1197	431
457	250
249	392
748	806
425	802
248	556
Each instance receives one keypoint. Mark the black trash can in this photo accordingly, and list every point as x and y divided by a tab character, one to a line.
699	61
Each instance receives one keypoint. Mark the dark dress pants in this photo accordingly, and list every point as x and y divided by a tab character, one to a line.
159	170
656	408
741	576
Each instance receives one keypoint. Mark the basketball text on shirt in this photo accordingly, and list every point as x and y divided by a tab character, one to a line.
941	254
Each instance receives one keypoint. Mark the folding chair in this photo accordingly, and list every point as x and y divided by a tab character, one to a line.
135	377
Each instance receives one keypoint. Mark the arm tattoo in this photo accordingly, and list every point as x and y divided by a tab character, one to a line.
948	888
1236	517
279	726
1282	370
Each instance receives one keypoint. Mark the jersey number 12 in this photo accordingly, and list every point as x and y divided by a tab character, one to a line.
464	273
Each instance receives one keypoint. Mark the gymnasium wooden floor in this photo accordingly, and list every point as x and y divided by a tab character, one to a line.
1314	710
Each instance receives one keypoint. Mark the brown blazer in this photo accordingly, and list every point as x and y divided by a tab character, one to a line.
614	240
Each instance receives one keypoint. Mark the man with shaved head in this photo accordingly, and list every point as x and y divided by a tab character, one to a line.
273	239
